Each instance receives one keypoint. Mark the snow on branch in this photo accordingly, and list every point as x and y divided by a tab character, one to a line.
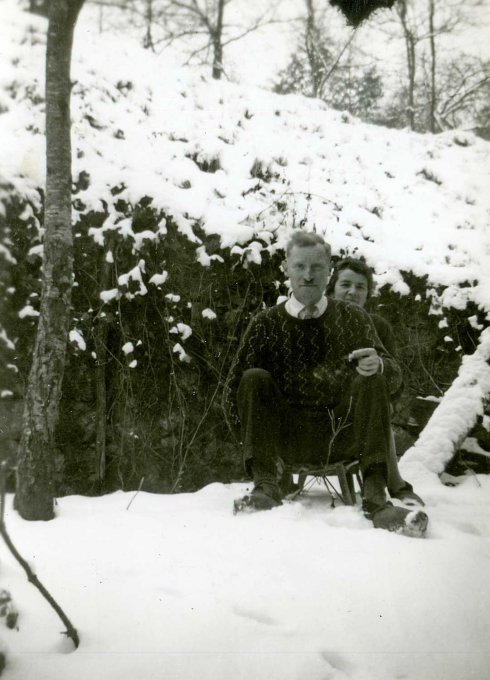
457	412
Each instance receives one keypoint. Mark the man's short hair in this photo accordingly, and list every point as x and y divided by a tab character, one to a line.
303	239
358	266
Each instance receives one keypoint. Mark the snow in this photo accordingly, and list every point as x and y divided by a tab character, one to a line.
6	340
109	295
205	259
159	279
7	255
178	587
183	329
208	314
247	165
127	348
28	311
456	413
134	276
183	356
76	338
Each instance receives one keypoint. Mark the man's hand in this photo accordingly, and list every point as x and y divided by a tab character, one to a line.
368	361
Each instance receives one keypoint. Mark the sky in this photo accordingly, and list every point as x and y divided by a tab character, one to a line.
261	55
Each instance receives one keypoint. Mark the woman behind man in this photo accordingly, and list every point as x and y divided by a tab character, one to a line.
352	281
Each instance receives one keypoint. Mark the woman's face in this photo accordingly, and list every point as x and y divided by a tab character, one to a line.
352	287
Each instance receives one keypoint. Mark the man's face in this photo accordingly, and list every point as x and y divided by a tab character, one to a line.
308	269
352	287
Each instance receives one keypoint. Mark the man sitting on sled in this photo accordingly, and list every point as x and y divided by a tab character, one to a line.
311	384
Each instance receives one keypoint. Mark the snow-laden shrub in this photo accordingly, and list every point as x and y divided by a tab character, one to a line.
157	317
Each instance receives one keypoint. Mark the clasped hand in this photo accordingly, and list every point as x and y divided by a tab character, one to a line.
368	361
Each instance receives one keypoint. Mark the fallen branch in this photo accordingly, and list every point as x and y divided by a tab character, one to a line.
31	576
137	492
456	413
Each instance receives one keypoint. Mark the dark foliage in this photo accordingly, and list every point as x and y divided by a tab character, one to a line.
164	428
357	11
40	7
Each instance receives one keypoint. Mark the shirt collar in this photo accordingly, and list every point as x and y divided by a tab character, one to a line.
294	306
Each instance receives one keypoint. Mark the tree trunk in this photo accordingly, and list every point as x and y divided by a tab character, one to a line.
310	48
101	332
410	43
218	42
35	486
433	93
411	79
148	41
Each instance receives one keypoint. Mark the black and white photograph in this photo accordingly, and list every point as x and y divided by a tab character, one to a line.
244	339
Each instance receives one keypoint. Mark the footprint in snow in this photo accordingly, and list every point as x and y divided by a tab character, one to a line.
339	668
255	615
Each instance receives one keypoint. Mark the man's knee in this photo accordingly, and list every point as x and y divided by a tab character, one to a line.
255	379
375	382
258	386
256	374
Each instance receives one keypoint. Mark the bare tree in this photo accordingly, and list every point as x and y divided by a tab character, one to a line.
322	54
314	52
200	27
411	38
426	28
204	20
464	94
35	486
325	65
433	53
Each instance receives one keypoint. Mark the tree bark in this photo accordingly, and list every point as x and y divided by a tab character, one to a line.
218	42
310	48
433	93
148	41
410	43
35	485
101	332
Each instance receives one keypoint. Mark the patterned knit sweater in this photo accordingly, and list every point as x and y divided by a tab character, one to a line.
307	358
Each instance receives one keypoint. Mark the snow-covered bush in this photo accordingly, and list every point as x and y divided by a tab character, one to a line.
161	343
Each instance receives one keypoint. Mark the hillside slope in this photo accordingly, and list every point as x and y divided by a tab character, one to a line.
248	165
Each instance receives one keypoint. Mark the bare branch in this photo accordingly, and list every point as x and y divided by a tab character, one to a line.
31	576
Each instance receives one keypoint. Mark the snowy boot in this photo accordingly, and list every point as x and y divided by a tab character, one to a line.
407	496
384	515
411	523
264	496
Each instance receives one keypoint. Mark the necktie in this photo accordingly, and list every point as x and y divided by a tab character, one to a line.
308	312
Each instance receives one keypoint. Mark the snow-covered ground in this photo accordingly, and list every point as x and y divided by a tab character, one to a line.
177	587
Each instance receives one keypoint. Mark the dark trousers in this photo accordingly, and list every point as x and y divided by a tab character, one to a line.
357	428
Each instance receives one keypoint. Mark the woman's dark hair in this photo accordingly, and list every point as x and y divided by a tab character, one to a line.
358	266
